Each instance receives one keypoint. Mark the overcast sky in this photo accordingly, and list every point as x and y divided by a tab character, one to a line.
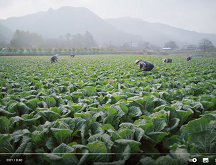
194	15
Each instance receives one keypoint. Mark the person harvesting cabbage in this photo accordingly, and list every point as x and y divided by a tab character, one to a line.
189	58
146	66
54	58
167	60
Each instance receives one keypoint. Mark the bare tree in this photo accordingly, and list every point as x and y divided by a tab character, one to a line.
171	44
205	44
88	40
68	36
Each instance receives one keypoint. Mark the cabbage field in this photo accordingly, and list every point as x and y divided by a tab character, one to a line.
101	109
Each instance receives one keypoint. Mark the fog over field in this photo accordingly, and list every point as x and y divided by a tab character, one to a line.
113	22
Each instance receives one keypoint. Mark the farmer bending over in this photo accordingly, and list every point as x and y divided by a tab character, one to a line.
72	55
54	58
189	58
147	66
168	60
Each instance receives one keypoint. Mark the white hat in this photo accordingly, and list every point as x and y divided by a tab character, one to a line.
56	55
136	61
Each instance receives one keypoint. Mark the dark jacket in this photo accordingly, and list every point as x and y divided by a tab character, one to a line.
147	66
168	60
53	59
189	58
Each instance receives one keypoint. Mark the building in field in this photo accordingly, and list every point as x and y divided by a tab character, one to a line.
166	49
134	45
191	47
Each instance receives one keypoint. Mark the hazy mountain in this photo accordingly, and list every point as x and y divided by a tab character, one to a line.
158	33
21	23
5	33
55	23
117	31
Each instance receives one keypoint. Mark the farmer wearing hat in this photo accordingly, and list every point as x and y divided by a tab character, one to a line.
147	66
189	58
167	60
54	58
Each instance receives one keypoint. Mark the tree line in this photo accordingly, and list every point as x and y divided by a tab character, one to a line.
205	45
57	50
27	39
82	42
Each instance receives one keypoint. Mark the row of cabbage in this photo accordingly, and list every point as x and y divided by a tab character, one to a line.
67	112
